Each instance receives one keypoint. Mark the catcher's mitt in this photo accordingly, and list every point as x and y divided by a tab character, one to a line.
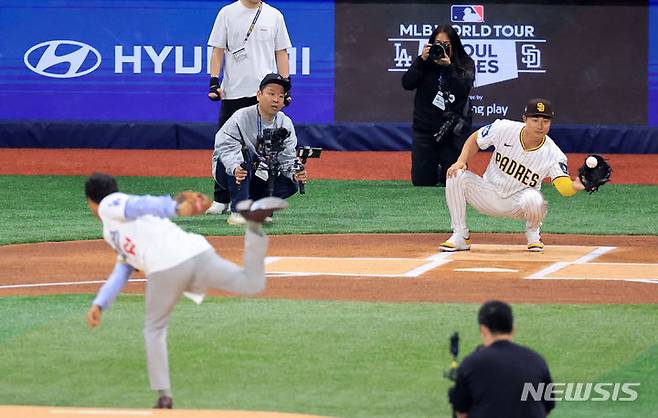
595	176
190	203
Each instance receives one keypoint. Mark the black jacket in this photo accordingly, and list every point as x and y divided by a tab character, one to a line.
423	76
490	382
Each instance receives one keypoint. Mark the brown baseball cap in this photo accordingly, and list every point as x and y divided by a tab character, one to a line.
539	107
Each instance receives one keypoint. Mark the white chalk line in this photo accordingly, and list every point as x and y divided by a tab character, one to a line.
586	259
27	285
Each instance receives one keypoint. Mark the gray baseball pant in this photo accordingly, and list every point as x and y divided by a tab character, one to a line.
199	273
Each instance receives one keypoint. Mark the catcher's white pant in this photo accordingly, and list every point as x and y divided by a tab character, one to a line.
467	187
204	271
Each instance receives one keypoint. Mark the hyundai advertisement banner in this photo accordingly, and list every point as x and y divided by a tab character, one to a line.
148	60
142	60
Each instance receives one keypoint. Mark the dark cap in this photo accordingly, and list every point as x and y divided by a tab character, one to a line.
276	79
539	107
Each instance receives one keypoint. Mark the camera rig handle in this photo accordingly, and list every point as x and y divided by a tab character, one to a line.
303	154
451	373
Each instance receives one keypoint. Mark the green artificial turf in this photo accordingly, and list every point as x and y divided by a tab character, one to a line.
328	358
52	208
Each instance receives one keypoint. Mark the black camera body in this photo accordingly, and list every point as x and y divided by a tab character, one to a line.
437	51
272	140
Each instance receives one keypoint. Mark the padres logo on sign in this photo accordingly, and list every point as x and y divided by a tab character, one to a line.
540	106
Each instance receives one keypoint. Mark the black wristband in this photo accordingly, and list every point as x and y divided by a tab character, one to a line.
214	81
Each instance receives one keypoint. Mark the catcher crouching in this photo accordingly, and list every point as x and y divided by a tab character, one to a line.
524	155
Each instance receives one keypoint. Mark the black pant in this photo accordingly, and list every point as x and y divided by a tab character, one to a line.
227	109
252	187
430	160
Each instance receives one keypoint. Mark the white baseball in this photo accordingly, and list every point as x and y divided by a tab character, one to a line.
591	162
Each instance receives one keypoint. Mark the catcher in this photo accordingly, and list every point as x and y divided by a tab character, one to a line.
175	262
524	155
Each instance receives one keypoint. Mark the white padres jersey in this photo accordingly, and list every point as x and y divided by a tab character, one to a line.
513	167
148	243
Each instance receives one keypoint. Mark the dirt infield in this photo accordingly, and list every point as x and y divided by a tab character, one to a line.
381	165
394	268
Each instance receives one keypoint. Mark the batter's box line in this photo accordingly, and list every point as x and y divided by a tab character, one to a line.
73	283
563	264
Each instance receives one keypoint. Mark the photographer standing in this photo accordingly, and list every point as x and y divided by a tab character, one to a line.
256	148
490	380
442	76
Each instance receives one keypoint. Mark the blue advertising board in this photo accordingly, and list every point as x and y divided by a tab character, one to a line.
653	64
142	60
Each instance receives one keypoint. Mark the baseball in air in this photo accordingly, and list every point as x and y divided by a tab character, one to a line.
591	162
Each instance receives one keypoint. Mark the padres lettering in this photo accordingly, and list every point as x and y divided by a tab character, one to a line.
516	170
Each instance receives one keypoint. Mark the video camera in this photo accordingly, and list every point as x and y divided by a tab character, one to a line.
271	140
268	146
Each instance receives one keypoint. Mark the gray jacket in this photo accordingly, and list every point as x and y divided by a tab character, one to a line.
229	149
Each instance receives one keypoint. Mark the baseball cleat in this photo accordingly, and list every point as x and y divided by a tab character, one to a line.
456	243
236	219
261	210
536	247
217	208
534	241
164	402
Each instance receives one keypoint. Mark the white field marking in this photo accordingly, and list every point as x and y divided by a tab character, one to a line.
19	286
292	274
348	258
435	260
654	281
599	279
270	260
111	412
316	273
549	270
562	264
487	270
594	254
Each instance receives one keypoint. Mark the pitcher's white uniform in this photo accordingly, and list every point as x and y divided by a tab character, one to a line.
511	183
175	262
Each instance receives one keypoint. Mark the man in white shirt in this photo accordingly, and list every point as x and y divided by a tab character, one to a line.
249	40
523	157
175	262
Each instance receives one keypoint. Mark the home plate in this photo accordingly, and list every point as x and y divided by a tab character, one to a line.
487	270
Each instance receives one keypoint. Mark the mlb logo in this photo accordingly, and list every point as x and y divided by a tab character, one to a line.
467	13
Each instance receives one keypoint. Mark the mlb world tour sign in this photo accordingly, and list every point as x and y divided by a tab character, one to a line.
492	47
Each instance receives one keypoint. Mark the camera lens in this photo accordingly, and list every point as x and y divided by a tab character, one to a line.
437	51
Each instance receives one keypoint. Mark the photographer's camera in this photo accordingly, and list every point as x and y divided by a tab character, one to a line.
436	52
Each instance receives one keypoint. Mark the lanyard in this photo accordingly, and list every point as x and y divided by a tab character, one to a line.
253	23
259	123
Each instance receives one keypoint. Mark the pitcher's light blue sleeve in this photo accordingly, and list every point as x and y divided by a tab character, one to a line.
112	287
160	206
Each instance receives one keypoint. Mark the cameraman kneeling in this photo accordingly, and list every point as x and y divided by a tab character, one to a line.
257	144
